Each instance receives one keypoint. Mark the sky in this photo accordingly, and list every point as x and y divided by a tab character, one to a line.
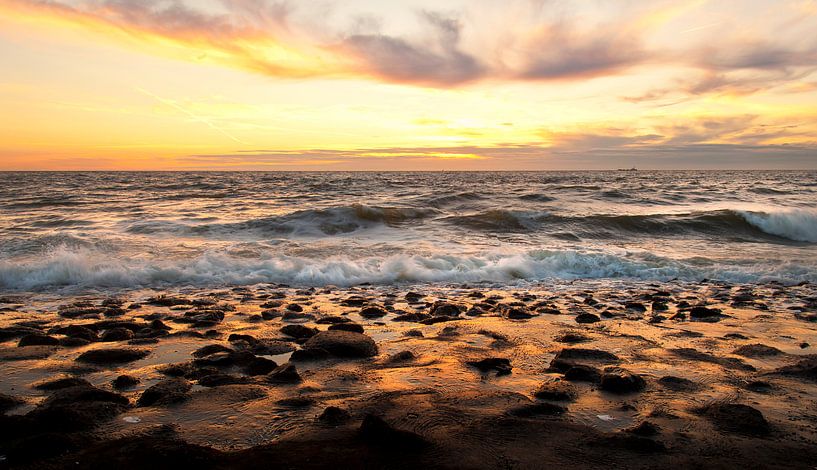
407	84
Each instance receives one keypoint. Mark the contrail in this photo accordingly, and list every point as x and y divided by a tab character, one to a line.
193	116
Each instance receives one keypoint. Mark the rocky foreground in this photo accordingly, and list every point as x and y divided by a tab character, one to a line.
580	375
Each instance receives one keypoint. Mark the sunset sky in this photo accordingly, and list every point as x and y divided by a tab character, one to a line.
414	84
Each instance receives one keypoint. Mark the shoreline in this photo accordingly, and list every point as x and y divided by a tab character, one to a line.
586	373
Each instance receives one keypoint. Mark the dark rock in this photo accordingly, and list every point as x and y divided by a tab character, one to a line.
373	312
704	312
445	309
582	373
677	383
805	369
112	356
77	331
125	381
635	307
354	327
334	416
311	354
537	409
260	366
645	429
299	331
38	339
65	382
375	430
402	356
756	350
569	357
618	380
73	342
587	318
218	380
8	402
556	391
77	408
211	349
571	338
332	320
284	374
516	313
343	343
737	418
296	402
165	392
117	334
502	366
409	317
413	334
294	308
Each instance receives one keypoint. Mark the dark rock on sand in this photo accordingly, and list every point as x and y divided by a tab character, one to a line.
570	357
373	312
537	409
112	356
284	374
374	430
211	349
117	334
413	334
756	350
310	354
502	366
571	338
343	343
704	312
354	327
677	383
77	331
8	402
218	380
445	309
38	339
125	381
166	392
260	366
587	318
556	391
61	383
737	418
26	353
334	416
805	369
582	373
515	313
618	380
299	331
645	429
76	408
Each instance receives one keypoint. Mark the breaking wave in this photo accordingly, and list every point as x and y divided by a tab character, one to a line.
89	269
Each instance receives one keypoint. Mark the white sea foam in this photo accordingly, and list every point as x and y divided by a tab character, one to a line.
88	269
794	224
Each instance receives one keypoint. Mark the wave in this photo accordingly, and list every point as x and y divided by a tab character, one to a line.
795	224
776	225
310	222
88	269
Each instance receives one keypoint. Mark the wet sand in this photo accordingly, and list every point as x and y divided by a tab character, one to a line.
585	374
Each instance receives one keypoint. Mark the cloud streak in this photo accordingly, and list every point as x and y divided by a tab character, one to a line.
539	42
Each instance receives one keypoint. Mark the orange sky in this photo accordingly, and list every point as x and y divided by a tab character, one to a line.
368	85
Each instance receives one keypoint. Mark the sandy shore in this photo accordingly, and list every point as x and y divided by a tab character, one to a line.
588	374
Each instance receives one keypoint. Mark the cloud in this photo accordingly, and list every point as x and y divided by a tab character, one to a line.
515	40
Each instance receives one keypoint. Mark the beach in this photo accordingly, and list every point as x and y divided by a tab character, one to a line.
590	374
408	320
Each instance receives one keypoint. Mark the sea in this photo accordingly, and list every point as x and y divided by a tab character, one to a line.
77	231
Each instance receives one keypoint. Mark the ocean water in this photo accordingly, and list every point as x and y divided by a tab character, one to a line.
100	230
